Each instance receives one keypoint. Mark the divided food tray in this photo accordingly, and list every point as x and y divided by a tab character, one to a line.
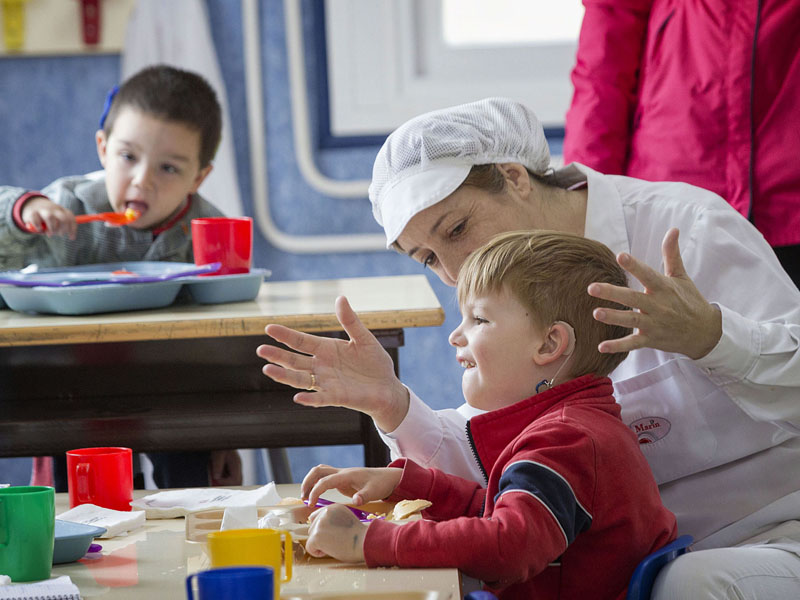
122	286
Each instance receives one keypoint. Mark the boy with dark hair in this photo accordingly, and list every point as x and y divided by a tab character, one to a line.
571	506
157	137
155	144
172	95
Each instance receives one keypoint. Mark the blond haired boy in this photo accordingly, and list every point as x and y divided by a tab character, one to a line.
571	506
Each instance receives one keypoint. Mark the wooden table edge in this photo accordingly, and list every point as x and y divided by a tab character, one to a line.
207	327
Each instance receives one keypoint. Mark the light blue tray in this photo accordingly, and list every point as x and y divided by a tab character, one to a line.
91	299
91	289
216	289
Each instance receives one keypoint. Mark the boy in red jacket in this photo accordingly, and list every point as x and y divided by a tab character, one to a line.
571	506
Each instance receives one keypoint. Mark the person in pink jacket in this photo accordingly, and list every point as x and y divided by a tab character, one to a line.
699	92
571	506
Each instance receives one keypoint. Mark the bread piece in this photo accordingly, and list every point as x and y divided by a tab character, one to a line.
289	501
405	508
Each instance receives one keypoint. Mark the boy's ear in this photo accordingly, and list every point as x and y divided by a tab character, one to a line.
102	143
558	341
204	172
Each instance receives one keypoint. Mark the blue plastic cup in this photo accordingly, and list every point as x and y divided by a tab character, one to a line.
232	583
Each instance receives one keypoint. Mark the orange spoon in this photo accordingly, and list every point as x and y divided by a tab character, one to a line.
111	218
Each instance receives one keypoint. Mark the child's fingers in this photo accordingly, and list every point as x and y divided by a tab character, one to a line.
371	491
311	542
35	224
378	484
52	224
341	481
55	223
319	488
311	478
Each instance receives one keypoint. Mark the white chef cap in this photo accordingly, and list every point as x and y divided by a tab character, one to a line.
424	160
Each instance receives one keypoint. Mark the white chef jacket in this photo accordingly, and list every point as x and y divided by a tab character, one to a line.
722	434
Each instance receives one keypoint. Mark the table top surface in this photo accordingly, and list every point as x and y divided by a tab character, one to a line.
391	302
154	561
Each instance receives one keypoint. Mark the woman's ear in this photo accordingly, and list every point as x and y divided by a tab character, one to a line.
558	341
517	177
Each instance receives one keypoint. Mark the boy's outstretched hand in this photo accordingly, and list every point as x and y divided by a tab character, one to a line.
362	483
42	215
336	532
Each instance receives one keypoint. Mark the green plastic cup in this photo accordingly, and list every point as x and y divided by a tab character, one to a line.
27	523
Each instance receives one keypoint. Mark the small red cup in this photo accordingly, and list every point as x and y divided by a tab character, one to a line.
100	476
225	240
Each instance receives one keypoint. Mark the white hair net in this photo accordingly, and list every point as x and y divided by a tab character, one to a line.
424	160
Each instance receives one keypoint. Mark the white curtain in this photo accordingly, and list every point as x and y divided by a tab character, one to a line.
177	32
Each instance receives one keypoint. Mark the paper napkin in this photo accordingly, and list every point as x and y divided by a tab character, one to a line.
116	522
179	503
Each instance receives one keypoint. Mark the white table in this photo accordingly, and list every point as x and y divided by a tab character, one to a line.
153	562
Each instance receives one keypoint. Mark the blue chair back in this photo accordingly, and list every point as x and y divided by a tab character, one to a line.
641	583
644	575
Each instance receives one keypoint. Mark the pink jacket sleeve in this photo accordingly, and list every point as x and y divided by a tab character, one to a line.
598	122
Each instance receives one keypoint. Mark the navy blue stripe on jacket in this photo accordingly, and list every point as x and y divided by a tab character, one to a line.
552	490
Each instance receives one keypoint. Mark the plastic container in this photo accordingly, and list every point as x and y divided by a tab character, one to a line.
72	540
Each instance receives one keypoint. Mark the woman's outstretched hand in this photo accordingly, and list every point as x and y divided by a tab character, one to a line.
670	314
357	374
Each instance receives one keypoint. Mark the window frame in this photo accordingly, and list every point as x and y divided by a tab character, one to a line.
406	69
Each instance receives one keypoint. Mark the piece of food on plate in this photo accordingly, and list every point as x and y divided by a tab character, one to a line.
405	510
289	501
409	509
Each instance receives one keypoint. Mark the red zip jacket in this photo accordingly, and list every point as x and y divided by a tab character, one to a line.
570	509
701	91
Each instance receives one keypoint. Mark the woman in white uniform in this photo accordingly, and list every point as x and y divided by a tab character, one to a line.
712	382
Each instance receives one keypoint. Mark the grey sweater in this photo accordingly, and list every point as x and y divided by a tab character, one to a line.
96	242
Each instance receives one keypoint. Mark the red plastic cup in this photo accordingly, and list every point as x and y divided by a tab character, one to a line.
225	240
100	476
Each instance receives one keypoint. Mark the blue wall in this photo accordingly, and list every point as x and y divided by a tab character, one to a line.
49	109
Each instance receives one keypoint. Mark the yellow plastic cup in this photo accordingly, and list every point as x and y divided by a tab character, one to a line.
253	547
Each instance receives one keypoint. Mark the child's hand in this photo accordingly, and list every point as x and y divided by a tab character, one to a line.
336	532
42	215
225	468
363	484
